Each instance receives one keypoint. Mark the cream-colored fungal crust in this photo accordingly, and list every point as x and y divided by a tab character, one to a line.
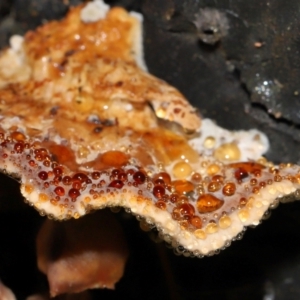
84	127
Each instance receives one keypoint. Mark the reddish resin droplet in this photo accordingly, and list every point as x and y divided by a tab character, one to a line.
96	175
118	184
19	147
165	177
122	176
80	177
130	172
208	203
159	191
73	194
76	185
115	172
253	182
139	177
59	191
159	182
57	171
229	189
67	180
43	175
161	204
243	201
196	222
186	209
4	155
241	174
31	163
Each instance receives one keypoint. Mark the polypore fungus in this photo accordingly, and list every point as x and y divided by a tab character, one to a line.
84	126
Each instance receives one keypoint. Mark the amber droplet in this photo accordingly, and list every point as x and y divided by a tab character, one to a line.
253	182
67	180
229	189
139	177
243	201
183	186
277	178
208	203
43	175
43	197
73	193
118	184
213	186
174	198
217	178
19	147
196	222
161	205
59	191
213	169
31	163
240	174
159	191
162	176
196	177
18	136
249	167
114	159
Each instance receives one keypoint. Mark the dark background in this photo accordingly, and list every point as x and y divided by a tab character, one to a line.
248	77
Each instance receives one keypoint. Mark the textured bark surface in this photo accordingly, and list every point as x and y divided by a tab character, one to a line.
240	65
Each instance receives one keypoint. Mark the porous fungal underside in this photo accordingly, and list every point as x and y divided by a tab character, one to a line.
84	126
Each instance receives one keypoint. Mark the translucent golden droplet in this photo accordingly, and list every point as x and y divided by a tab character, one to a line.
225	222
228	152
213	169
243	215
182	170
83	152
76	215
43	197
209	142
250	203
258	204
211	228
28	188
87	199
200	234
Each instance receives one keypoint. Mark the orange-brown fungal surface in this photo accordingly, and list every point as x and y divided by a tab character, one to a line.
84	127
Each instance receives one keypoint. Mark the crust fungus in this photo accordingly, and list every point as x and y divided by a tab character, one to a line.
84	127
